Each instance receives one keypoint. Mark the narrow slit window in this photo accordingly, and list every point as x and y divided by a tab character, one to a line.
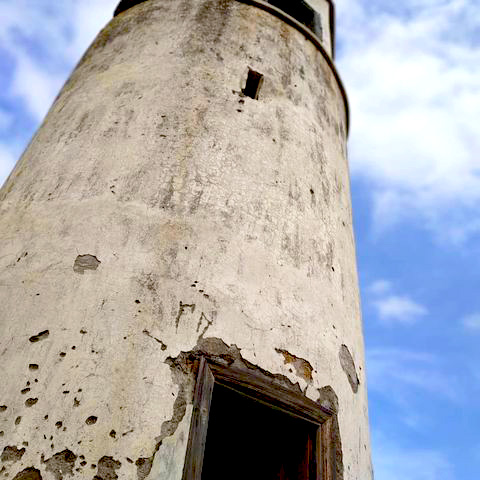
253	84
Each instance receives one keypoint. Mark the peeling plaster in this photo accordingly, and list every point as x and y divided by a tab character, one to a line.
303	367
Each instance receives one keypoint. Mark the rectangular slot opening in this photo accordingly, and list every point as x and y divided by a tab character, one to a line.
253	84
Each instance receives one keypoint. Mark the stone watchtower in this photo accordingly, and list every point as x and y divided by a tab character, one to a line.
177	261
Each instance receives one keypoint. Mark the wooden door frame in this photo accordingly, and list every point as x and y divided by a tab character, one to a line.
259	387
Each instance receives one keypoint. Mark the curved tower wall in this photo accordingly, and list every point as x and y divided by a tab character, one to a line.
157	211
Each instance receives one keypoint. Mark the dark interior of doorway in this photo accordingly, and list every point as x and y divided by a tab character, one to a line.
249	440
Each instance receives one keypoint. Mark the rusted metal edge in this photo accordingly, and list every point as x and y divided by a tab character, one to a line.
314	39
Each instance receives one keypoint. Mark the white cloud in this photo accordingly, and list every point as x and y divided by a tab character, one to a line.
393	308
472	322
7	162
87	17
399	309
43	41
393	462
380	287
412	77
36	87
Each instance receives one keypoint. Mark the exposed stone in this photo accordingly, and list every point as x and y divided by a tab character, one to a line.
106	468
144	466
303	368
348	365
29	473
12	454
85	262
61	464
328	398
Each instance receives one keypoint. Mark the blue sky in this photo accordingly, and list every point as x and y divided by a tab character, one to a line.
411	70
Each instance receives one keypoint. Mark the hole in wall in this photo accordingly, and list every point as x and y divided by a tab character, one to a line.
39	336
91	420
253	84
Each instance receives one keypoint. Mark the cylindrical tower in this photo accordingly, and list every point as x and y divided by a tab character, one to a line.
177	266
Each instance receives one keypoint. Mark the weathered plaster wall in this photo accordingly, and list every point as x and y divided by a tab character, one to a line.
157	209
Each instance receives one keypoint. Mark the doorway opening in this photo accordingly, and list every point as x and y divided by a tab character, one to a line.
245	424
248	439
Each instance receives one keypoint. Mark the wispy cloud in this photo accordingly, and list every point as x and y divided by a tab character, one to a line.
40	42
43	41
399	309
398	463
415	96
400	374
380	287
393	308
472	322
